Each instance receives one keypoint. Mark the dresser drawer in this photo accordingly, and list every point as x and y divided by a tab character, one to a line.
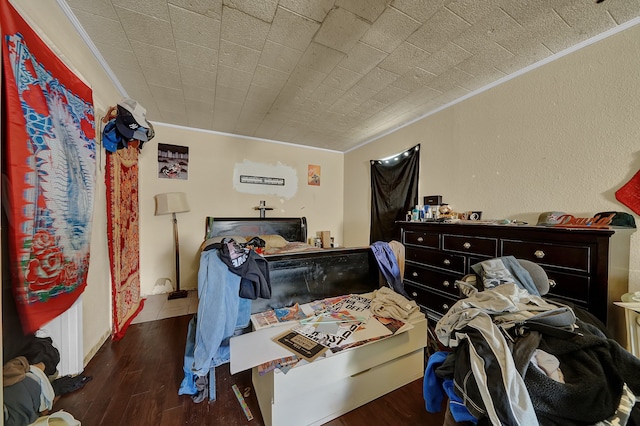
435	303
472	245
558	255
574	287
440	280
438	259
341	382
423	239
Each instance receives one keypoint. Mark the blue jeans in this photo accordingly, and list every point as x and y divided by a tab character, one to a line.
221	311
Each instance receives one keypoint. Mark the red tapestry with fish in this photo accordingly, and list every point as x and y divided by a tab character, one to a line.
49	154
121	178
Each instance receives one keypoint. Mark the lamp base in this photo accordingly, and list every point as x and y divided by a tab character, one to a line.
178	294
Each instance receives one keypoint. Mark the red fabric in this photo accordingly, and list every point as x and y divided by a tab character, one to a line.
629	194
49	153
121	176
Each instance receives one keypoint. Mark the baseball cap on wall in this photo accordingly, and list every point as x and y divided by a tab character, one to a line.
125	123
137	111
131	118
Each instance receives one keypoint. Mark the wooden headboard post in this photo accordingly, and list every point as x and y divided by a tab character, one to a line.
290	228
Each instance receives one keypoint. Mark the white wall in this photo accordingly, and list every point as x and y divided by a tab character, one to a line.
211	191
561	137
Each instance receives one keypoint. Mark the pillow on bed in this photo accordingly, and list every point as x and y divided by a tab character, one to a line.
273	241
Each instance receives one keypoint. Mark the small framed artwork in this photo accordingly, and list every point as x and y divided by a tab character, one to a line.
313	175
173	161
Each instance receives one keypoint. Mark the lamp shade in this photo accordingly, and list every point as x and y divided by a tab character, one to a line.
171	202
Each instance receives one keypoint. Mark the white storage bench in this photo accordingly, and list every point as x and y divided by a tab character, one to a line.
326	388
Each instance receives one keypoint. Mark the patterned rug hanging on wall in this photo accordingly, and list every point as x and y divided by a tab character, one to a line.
121	179
50	167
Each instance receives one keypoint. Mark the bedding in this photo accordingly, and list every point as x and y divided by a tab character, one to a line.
290	247
273	244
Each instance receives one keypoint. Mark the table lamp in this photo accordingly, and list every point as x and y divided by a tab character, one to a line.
173	202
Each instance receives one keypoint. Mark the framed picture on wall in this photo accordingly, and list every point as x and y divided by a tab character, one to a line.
173	161
313	175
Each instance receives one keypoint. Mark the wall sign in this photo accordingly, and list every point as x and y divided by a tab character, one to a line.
278	180
262	180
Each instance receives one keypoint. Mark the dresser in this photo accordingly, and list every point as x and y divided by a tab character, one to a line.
588	267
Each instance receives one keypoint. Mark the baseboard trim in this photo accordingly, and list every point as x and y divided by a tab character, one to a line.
96	348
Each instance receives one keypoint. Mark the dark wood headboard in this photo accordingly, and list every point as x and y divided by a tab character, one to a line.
290	228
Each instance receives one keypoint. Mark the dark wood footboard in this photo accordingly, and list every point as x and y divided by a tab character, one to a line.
305	276
308	276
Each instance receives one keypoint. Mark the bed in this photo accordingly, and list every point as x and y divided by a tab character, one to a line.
300	273
322	390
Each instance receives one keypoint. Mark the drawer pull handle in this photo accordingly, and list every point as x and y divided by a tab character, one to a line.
539	254
420	239
552	283
445	283
445	306
414	274
467	245
414	294
447	262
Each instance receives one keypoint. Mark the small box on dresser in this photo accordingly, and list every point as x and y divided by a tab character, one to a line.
590	267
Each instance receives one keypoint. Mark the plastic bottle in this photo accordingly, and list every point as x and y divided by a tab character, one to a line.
415	214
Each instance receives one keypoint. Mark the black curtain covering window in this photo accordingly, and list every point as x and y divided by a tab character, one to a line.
394	191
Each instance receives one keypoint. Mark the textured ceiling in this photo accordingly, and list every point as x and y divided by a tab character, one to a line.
332	74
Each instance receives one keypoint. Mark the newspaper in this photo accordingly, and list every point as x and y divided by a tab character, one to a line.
274	317
327	327
336	324
353	323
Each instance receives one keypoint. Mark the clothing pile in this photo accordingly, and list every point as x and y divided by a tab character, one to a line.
390	259
28	387
244	261
517	358
129	125
229	277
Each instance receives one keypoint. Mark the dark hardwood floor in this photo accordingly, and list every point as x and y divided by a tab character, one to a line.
135	383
